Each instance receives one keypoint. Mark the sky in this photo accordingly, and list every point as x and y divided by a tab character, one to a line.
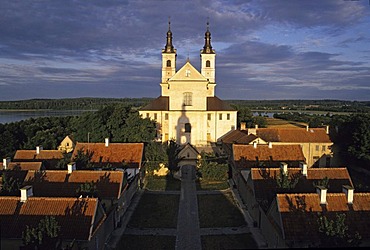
265	49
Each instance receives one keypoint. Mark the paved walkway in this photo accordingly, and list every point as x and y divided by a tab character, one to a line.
188	231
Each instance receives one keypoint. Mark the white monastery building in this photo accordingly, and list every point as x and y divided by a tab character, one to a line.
188	110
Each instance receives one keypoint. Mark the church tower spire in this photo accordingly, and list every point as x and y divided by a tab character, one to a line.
208	58
168	57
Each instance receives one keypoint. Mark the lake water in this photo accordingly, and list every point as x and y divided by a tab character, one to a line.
16	115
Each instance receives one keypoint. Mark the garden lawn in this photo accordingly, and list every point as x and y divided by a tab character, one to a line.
139	242
219	210
162	183
156	211
232	241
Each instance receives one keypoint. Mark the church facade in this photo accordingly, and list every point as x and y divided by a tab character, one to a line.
187	109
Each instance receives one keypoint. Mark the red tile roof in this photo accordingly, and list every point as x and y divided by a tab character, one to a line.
23	166
265	186
237	136
115	153
305	208
75	216
58	183
244	154
43	155
159	104
216	104
297	135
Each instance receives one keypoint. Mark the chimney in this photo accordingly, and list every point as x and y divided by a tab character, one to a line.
26	192
270	144
255	144
322	193
303	166
6	162
327	129
348	190
242	126
106	142
71	167
307	127
38	149
284	167
256	126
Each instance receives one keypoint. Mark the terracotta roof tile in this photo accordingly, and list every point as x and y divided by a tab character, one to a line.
58	183
237	136
244	155
75	216
23	166
305	208
293	135
264	181
159	104
115	153
43	155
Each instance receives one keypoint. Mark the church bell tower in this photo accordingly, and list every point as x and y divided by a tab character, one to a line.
208	58
168	57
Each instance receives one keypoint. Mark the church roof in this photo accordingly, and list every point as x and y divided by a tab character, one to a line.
159	104
216	104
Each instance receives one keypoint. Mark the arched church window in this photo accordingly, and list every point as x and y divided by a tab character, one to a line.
187	128
188	96
208	64
168	63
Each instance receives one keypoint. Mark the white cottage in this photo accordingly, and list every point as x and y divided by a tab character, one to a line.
188	110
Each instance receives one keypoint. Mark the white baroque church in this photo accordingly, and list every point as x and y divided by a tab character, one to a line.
187	109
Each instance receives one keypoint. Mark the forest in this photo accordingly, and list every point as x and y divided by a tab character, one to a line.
87	103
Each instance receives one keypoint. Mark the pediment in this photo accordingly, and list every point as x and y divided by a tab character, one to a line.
188	73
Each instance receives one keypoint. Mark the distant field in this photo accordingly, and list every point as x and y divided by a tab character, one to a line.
273	122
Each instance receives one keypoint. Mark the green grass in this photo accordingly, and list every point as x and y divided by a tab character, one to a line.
162	183
205	184
133	242
233	241
156	211
219	210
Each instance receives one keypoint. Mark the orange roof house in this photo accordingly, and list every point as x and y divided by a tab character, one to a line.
49	158
62	183
289	209
21	166
263	181
79	219
247	156
116	154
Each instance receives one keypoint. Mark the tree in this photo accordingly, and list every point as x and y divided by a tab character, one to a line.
83	159
359	146
285	181
173	150
43	236
155	153
10	185
334	233
244	115
323	182
87	189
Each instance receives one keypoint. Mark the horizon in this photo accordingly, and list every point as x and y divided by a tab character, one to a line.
265	50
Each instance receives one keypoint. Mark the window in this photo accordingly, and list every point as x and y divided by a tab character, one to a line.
187	128
220	116
168	63
323	148
209	117
166	116
188	98
228	116
67	144
147	115
317	148
208	64
155	116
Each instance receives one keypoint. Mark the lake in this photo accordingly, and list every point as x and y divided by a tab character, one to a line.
7	116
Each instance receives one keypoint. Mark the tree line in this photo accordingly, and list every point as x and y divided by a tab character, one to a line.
119	123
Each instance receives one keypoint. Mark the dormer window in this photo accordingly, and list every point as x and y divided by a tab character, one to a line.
208	64
188	96
168	63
